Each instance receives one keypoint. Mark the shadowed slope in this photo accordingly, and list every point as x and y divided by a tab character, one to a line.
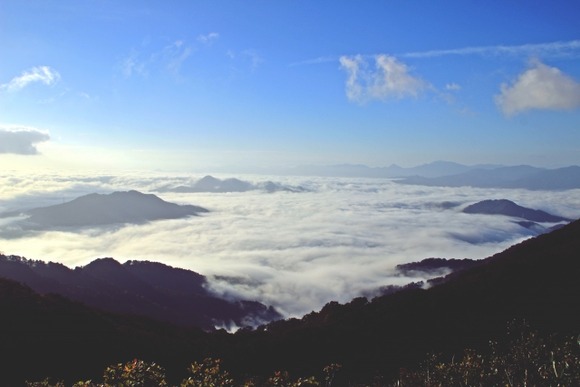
141	288
536	280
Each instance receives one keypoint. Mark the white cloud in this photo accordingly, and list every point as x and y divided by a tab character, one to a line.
19	140
539	87
253	57
208	38
389	79
132	65
296	251
167	58
42	74
175	55
452	87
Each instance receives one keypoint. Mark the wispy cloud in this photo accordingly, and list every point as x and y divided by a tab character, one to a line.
21	140
133	65
553	49
253	57
544	50
390	78
208	39
39	74
169	58
319	60
175	54
248	58
539	87
452	87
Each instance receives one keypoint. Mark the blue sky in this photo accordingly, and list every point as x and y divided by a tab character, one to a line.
194	85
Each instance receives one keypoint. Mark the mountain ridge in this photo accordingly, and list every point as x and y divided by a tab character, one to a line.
144	288
211	184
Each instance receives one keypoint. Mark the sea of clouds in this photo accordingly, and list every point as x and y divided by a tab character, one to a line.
339	239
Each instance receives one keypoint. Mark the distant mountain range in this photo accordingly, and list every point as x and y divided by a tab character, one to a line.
139	288
100	209
212	184
535	281
450	174
434	169
525	177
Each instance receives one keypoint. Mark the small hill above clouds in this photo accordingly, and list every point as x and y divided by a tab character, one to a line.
100	209
509	208
211	184
141	288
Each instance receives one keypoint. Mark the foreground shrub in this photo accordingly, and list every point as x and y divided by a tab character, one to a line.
524	359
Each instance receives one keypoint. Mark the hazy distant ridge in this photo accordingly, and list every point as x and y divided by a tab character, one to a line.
450	174
212	184
434	169
505	177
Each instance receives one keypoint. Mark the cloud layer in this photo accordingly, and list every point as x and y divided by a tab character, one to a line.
389	78
21	140
296	251
539	87
39	74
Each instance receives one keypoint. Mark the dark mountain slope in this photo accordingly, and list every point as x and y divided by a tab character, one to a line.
45	336
142	288
536	280
98	210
